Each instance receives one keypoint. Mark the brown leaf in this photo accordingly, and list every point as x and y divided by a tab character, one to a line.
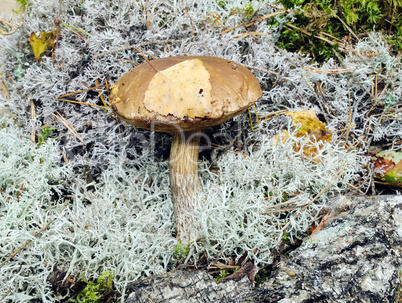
388	167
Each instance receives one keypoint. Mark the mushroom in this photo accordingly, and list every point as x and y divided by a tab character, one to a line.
184	95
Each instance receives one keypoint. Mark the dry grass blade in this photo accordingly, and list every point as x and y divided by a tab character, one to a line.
343	129
247	24
349	120
281	204
291	26
97	87
100	94
4	90
259	69
275	114
330	71
81	91
82	103
275	211
256	114
249	34
12	27
222	266
136	46
320	93
348	28
69	126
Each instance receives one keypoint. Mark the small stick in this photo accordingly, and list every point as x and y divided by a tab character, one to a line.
282	209
136	46
249	34
281	204
259	69
247	24
334	71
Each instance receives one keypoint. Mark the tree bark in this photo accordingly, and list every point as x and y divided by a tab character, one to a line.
187	287
355	257
185	184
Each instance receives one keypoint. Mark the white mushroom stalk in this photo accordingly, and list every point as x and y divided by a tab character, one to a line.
183	95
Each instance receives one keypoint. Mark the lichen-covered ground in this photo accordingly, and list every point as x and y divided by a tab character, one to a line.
83	193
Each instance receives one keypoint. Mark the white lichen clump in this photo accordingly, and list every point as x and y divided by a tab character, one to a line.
98	200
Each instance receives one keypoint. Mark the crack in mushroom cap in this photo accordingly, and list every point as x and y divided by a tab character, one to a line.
184	93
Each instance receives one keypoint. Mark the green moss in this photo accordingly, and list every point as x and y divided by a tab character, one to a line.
249	10
222	274
320	21
222	4
94	291
180	252
262	275
225	273
46	131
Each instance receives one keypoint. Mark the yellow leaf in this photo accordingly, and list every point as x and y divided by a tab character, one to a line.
309	126
42	42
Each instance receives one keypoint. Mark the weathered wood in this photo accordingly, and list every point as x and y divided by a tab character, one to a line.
355	257
187	286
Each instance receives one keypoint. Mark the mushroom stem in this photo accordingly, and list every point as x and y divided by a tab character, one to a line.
185	184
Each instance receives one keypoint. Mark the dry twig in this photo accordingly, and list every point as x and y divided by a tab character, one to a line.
137	46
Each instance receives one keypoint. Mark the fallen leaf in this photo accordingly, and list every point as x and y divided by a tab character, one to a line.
42	42
309	126
388	167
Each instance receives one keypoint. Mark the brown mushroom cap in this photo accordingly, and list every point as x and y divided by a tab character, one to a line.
184	93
